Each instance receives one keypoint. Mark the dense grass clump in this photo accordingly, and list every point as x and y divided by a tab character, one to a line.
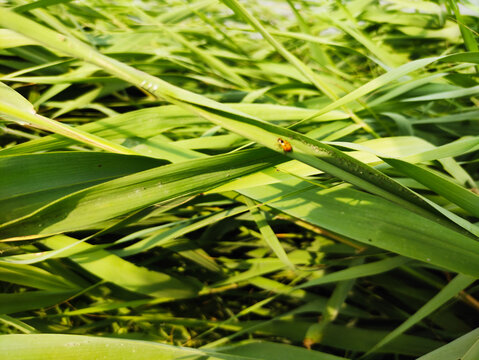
239	180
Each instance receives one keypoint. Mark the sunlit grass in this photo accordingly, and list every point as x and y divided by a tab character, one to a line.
238	180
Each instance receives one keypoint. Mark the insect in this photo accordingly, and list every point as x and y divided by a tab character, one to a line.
285	145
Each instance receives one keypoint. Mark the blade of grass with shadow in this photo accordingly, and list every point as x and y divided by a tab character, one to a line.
457	349
464	198
58	346
373	221
16	108
85	208
31	181
307	150
123	273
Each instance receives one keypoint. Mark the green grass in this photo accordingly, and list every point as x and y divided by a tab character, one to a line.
147	209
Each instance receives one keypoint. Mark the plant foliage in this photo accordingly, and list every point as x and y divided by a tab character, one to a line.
239	180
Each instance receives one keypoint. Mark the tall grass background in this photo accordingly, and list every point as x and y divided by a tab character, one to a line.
145	195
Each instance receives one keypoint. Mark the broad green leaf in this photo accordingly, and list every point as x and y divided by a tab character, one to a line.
10	99
58	53
146	123
456	148
16	108
33	277
312	152
31	300
373	221
10	39
464	198
457	349
91	206
32	181
76	347
125	274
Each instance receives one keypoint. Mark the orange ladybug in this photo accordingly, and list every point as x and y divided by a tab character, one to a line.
285	145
